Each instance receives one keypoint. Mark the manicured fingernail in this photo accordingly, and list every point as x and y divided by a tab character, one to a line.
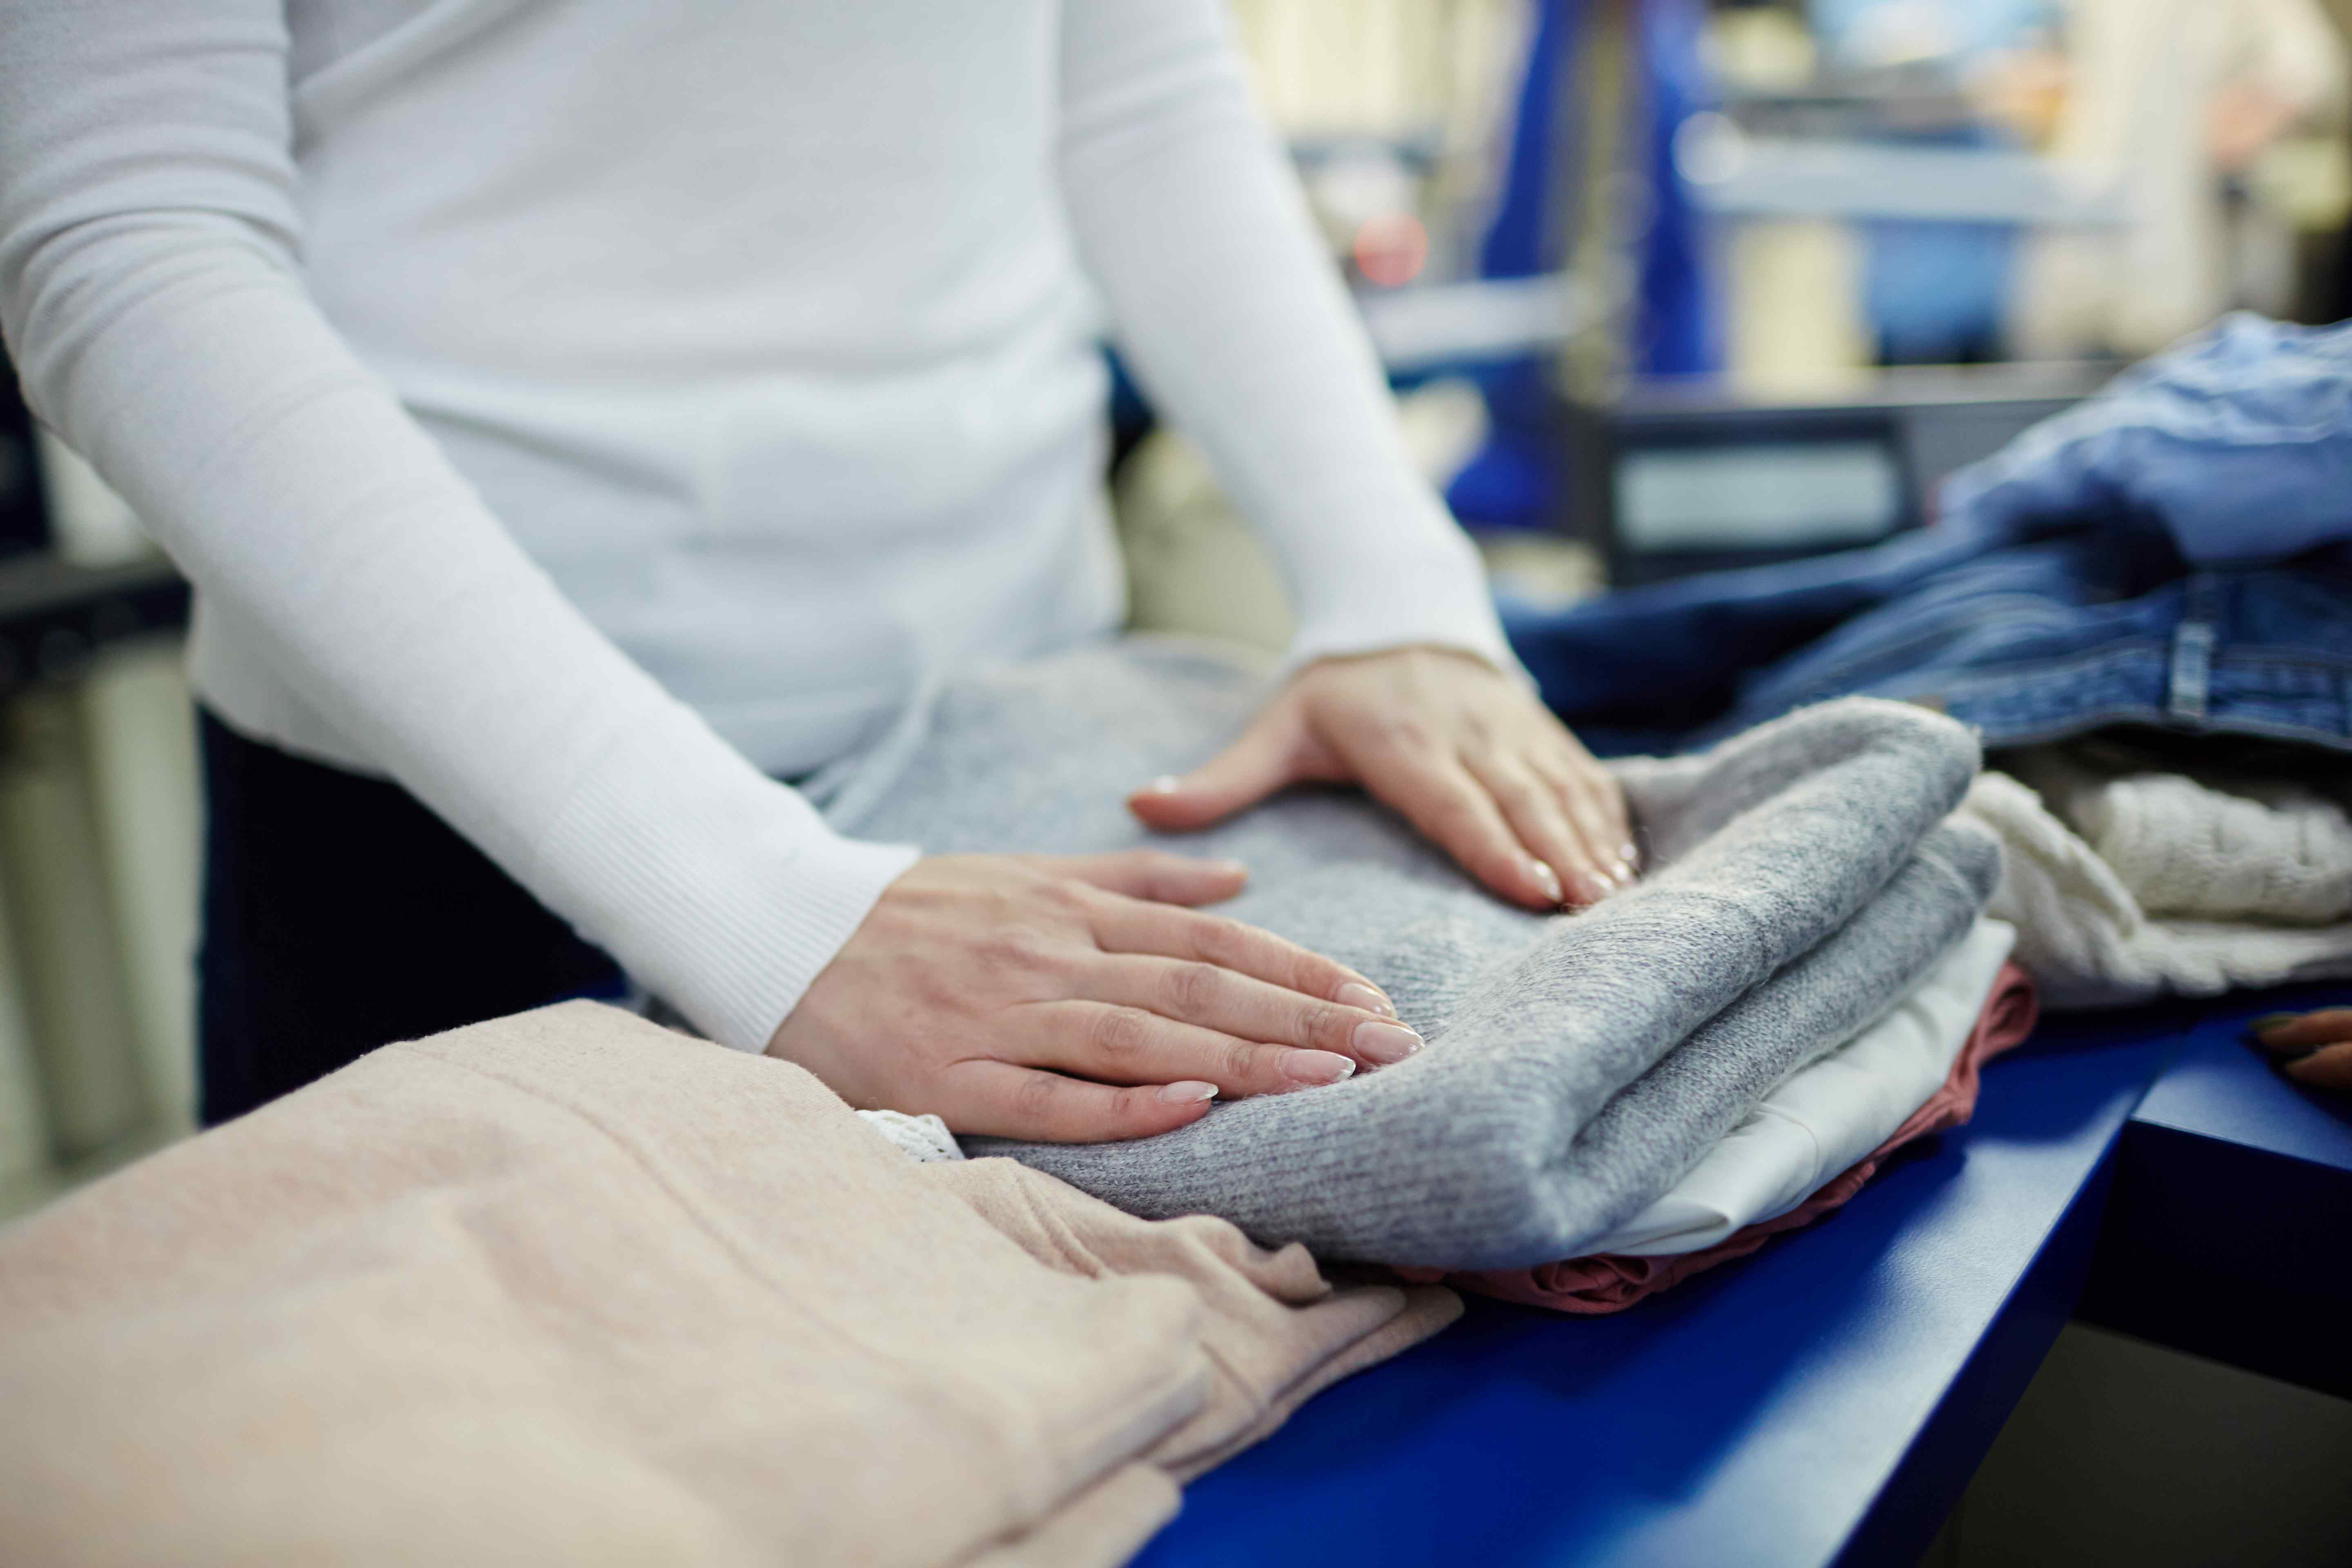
1166	783
1316	1066
1226	867
1547	880
1187	1093
1385	1042
1627	853
1356	994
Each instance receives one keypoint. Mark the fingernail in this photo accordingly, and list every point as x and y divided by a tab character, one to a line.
1627	853
2269	1021
1591	887
1166	783
1385	1042
1356	994
1316	1066
1226	868
1187	1093
1547	880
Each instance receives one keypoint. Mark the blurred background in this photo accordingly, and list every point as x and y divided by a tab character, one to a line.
1663	285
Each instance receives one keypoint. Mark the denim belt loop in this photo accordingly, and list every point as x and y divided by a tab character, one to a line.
2192	648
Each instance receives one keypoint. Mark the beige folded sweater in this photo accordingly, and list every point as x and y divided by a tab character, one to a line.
567	1287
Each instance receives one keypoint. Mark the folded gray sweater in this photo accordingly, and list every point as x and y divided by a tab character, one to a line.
1798	882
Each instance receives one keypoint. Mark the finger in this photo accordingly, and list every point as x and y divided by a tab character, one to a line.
1262	762
1535	813
2330	1067
999	1099
1109	1044
1151	874
1456	814
2285	1032
1128	925
1599	803
1589	797
1193	991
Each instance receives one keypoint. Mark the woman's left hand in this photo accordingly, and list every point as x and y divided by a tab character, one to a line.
1463	752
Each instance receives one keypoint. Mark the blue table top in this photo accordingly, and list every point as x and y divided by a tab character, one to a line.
2232	1198
2221	1089
1827	1397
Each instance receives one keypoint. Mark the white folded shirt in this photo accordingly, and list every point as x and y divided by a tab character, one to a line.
1826	1117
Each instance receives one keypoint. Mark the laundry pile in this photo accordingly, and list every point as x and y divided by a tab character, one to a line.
570	1288
1801	882
2143	607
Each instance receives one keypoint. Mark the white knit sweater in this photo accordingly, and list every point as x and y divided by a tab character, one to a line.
581	410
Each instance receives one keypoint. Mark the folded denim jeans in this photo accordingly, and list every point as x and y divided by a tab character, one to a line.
2173	554
1800	881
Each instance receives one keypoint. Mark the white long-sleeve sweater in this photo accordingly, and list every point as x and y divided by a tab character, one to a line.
582	410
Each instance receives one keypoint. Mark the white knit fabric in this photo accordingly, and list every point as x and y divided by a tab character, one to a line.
579	413
923	1139
2214	847
2089	942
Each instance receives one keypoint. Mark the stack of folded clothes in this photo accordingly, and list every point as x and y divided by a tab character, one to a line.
1803	880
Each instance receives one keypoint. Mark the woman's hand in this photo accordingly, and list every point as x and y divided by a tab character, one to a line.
1463	752
1073	999
2310	1047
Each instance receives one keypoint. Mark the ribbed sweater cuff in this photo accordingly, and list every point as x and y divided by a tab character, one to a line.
727	909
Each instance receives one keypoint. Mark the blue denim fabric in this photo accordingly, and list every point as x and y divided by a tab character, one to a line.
2239	442
2032	643
2072	585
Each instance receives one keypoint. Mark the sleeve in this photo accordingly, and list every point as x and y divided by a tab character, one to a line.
150	288
1190	221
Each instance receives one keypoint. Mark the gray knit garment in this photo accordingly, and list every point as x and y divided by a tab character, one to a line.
1798	882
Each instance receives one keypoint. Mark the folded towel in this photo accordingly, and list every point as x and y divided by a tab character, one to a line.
568	1287
1592	1286
1577	1065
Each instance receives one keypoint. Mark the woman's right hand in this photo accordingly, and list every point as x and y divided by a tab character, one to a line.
1076	998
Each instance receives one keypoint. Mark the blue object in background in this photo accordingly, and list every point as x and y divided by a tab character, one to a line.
1938	293
1676	329
1518	478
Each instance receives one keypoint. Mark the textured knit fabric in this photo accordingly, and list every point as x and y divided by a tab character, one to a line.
2215	844
1825	1117
1829	1115
1611	1283
1577	1065
570	1287
581	412
2086	941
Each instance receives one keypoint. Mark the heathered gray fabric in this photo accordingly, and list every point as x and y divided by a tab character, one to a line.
1798	883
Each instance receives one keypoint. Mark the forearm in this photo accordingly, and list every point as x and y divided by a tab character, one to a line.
150	295
1188	217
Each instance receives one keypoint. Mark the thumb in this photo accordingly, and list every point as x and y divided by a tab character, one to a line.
1260	763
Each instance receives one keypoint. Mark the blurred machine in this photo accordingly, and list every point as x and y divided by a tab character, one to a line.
1678	476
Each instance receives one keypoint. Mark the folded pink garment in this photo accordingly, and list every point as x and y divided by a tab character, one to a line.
1612	1282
